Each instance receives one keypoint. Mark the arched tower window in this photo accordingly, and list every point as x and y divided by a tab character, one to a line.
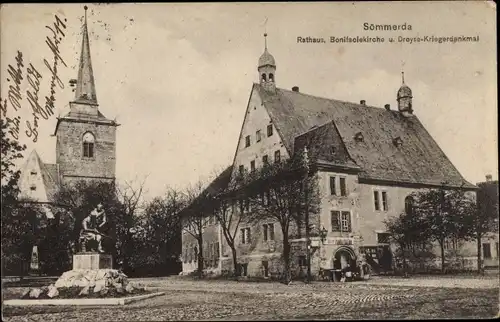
264	78
271	77
409	205
88	145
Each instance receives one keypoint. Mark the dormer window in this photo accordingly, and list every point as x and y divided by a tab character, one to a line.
397	141
358	137
332	150
88	145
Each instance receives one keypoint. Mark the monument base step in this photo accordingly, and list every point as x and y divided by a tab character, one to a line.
92	260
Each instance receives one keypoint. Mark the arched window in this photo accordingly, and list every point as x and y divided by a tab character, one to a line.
271	77
88	145
409	205
264	78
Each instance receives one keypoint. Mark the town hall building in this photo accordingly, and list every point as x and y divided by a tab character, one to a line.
85	141
369	161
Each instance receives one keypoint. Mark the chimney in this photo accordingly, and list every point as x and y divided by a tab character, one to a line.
488	178
295	89
362	102
387	107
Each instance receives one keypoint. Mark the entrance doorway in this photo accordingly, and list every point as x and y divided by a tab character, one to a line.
343	257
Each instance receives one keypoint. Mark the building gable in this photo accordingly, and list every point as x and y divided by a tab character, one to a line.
31	182
257	119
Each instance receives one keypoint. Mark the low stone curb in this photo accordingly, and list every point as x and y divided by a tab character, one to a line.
110	301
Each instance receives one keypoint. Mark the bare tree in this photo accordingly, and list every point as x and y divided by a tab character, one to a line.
130	194
195	217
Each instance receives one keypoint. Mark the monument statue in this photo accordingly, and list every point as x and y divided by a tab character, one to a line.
93	228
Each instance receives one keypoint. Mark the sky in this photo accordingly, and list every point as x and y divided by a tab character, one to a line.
177	77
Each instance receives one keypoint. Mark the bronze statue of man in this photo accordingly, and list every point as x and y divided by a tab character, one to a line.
93	227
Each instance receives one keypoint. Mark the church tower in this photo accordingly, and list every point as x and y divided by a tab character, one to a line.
86	139
404	98
267	69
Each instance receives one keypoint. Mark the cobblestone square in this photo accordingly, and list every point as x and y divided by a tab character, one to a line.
382	298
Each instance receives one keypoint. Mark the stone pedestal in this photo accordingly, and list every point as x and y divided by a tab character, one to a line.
92	261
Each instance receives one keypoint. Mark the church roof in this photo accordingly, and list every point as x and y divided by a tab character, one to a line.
50	176
416	160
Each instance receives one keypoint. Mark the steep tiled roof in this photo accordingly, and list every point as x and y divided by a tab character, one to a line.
418	159
221	182
325	147
50	175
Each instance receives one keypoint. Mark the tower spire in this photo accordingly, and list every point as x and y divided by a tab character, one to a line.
265	34
85	86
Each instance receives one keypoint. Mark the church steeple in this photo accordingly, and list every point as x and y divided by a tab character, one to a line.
267	68
85	85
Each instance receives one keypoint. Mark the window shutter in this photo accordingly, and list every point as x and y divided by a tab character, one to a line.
265	231
271	231
335	220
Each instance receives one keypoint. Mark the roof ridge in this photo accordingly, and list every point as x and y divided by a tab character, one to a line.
330	99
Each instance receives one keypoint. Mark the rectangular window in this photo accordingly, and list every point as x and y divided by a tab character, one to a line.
252	165
333	188
265	231
376	200
343	189
88	149
335	220
270	227
497	250
247	204
247	141
302	261
383	238
33	172
384	200
269	130
241	169
346	221
265	159
247	235
277	156
242	235
257	136
242	205
486	250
